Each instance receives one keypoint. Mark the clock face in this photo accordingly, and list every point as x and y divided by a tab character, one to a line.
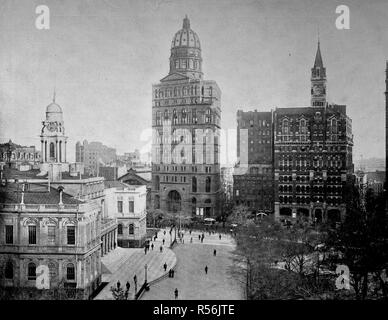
52	126
317	90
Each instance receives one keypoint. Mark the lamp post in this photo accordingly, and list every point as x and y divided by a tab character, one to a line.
145	273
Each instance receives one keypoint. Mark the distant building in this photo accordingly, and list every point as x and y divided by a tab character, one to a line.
253	176
226	176
139	178
127	204
94	155
19	157
109	173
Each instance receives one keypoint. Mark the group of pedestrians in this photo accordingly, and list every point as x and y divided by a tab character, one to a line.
127	286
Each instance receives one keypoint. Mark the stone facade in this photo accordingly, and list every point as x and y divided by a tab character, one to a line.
127	204
186	114
48	241
313	156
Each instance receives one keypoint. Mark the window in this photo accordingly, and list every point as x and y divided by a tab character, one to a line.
52	270
9	270
208	182
131	229
120	229
51	234
194	184
31	234
70	272
71	235
52	150
9	234
120	206
31	271
131	206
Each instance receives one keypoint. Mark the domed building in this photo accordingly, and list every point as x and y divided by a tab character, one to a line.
186	114
52	137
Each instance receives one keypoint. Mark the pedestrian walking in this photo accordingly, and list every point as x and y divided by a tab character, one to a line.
163	241
176	293
164	232
206	269
118	284
190	231
219	236
169	273
183	241
161	249
126	295
191	240
145	250
127	285
152	246
135	279
199	237
165	267
214	252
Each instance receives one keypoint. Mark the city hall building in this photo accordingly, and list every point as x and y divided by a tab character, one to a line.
186	112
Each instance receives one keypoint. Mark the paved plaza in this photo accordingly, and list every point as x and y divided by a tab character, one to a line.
122	264
190	278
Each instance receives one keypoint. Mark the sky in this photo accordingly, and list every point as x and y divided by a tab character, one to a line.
103	56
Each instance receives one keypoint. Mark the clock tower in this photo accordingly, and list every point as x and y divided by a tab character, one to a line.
52	137
318	81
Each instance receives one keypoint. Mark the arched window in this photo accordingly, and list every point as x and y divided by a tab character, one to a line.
70	272
334	125
120	229
194	184
9	270
184	116
207	185
52	150
31	271
131	229
157	182
174	117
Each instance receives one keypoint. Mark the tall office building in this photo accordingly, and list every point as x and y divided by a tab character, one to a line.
186	112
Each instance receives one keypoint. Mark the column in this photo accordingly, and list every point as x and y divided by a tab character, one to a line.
45	152
65	150
42	151
56	151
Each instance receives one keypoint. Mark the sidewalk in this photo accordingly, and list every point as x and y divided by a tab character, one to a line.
122	264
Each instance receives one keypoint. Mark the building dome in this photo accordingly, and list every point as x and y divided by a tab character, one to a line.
186	37
53	108
185	55
54	112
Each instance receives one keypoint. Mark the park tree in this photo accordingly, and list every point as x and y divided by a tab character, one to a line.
362	245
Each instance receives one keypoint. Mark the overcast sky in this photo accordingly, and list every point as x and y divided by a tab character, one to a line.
104	55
